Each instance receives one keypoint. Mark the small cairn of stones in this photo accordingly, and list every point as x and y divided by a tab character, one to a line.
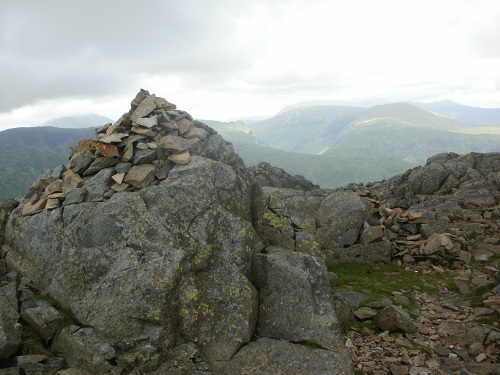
142	147
413	238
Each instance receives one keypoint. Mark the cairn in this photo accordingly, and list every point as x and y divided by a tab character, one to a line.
142	147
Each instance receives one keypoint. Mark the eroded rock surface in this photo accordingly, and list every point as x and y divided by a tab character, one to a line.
137	257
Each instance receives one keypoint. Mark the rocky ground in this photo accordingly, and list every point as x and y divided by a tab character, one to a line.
446	333
450	311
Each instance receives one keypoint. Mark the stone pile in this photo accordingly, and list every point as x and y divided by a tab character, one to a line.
413	238
136	151
354	226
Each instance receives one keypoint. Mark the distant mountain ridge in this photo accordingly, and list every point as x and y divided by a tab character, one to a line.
463	113
89	120
331	145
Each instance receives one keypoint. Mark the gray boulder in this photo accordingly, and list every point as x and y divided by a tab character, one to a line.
393	318
43	317
340	219
295	302
10	330
359	253
268	356
271	176
82	348
6	207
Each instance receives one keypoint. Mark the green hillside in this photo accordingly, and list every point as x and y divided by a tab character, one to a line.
305	130
326	170
19	168
27	152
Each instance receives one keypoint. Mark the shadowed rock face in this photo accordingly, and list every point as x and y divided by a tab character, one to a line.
151	268
271	176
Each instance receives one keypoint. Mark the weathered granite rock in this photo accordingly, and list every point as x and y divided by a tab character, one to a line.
44	318
295	302
140	176
81	161
71	180
184	359
122	167
372	234
144	157
10	329
6	207
147	122
437	242
181	158
271	176
82	348
75	196
107	150
146	106
364	313
35	205
393	318
98	185
100	164
268	356
359	253
114	263
340	219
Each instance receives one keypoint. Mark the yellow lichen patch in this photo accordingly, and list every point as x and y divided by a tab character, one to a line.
192	295
154	314
205	310
236	292
275	220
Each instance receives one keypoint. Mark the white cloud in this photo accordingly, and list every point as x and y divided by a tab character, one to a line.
223	59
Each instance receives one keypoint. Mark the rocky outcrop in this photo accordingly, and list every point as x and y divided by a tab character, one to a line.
155	250
140	256
271	176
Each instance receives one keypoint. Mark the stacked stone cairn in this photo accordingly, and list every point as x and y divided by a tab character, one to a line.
413	238
142	147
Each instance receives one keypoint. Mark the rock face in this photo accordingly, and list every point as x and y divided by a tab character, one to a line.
285	279
271	176
146	240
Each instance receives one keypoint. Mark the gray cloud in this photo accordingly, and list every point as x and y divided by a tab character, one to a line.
241	49
75	48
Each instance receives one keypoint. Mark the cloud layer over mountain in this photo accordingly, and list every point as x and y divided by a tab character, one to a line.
223	59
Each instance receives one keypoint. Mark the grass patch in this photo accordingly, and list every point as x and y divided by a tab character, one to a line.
379	280
416	346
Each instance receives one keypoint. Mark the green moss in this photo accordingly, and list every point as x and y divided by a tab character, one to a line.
311	344
415	346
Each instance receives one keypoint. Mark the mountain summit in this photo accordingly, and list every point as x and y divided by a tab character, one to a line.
154	250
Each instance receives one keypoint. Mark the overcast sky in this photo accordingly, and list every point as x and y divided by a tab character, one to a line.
222	59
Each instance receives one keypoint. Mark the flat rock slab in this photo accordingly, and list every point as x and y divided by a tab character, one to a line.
295	300
140	176
147	106
275	357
